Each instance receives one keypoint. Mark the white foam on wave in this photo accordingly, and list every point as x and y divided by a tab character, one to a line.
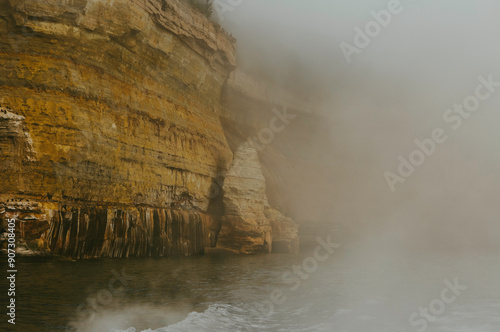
217	317
480	317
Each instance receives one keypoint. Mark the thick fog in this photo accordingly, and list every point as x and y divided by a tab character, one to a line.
403	78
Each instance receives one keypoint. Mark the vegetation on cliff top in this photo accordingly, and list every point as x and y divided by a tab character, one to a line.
203	6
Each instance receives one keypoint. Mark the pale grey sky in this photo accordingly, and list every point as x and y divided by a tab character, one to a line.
453	37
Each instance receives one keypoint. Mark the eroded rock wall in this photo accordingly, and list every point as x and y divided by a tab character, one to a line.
245	227
114	141
112	106
250	225
119	108
80	231
292	136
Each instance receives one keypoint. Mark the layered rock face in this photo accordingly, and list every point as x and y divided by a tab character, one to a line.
120	99
292	137
112	106
103	231
111	138
250	225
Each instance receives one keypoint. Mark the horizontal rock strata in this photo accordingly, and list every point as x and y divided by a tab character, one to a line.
112	106
249	224
111	138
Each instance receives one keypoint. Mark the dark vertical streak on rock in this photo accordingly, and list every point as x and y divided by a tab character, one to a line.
155	250
83	231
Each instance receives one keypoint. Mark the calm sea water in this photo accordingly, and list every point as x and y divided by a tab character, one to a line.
354	289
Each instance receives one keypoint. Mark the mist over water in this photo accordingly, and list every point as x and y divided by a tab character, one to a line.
353	290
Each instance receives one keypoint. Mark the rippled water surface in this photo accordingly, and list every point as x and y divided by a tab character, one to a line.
353	290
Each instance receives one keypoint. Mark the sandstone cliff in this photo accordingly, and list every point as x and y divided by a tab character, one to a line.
250	224
113	113
111	138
